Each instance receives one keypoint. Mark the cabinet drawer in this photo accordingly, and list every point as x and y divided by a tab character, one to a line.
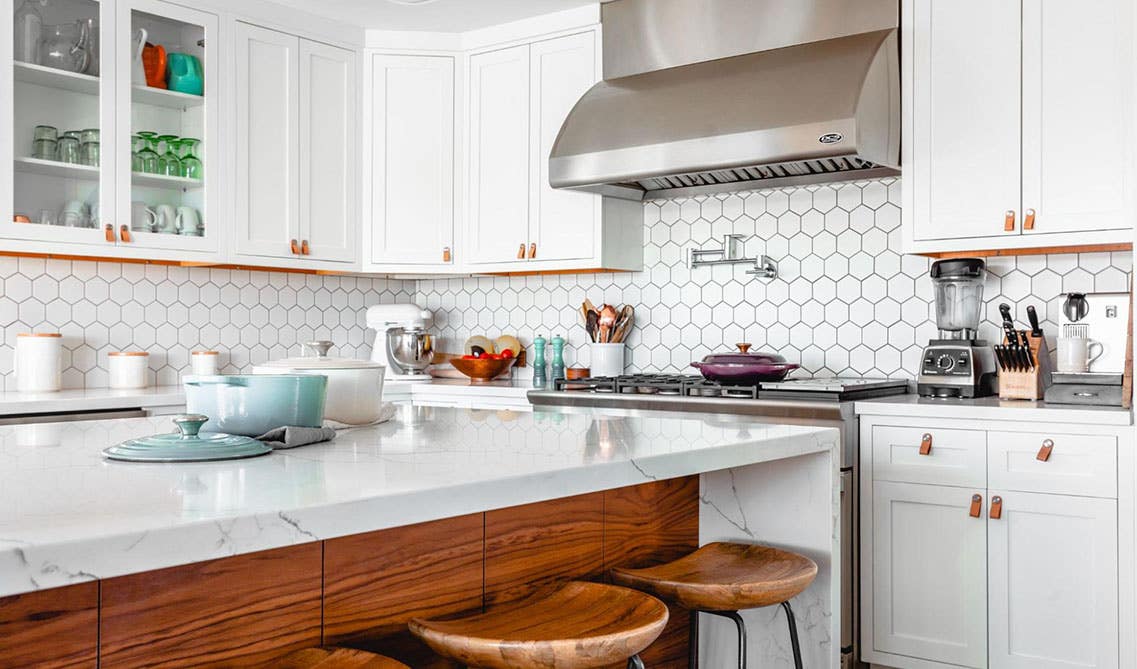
956	457
1078	464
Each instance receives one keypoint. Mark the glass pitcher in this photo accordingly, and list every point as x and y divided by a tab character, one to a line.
65	47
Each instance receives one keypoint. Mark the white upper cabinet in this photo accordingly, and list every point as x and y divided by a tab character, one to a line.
328	153
410	185
1079	119
296	156
498	221
1019	131
564	224
268	166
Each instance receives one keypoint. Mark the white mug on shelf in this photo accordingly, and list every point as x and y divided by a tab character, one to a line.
188	222
607	359
1076	354
166	220
142	218
38	362
128	369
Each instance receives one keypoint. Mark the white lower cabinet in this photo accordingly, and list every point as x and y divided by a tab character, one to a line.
929	573
1052	580
1008	558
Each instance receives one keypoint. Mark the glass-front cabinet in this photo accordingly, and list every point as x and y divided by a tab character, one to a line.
114	113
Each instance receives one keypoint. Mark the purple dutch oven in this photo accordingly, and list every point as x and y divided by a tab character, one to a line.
744	368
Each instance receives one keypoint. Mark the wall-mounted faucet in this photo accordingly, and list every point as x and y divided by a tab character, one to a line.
730	253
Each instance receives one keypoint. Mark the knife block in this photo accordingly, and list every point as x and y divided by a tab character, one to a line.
1032	383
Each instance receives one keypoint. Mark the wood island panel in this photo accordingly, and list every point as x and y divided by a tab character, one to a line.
375	582
243	610
646	525
51	628
536	546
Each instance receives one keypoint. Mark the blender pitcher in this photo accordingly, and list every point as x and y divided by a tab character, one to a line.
958	288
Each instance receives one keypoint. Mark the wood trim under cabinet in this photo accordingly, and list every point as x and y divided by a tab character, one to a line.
1042	250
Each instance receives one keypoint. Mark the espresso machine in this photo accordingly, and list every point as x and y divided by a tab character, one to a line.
958	363
402	344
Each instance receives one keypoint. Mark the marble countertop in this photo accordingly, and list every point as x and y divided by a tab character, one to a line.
89	399
68	515
993	408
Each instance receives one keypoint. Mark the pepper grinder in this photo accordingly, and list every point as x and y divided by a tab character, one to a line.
539	378
558	357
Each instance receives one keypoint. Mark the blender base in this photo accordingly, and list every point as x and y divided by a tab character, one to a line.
957	368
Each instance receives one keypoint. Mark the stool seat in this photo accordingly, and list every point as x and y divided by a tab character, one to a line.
579	625
725	577
336	658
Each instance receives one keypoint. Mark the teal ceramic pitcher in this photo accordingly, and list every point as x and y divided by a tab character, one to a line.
184	74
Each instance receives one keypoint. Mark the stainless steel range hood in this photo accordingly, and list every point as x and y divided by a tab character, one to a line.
715	95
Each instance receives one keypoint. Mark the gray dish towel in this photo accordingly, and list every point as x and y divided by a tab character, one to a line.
291	436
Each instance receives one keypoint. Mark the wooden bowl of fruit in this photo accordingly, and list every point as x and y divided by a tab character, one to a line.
483	367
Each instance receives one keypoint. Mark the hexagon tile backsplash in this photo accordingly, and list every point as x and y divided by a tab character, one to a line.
250	317
844	303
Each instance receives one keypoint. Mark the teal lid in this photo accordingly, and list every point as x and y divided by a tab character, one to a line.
187	445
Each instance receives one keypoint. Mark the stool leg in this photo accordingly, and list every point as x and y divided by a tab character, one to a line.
693	648
634	662
793	634
741	625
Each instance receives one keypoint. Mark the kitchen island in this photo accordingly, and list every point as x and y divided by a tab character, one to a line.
439	511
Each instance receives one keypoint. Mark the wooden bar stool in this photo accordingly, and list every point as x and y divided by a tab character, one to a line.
336	658
724	578
578	626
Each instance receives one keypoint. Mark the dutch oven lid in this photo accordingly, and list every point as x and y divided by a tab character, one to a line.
744	357
321	360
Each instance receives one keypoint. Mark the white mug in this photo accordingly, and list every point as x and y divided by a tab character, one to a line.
188	222
1076	354
167	220
142	218
38	362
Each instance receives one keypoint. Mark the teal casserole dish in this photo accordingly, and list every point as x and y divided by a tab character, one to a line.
253	404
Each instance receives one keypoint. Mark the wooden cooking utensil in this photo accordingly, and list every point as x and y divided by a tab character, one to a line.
624	324
592	323
608	316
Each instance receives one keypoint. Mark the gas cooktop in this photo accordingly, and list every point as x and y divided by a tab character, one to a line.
834	389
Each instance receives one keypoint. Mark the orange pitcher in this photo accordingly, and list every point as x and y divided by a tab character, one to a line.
154	62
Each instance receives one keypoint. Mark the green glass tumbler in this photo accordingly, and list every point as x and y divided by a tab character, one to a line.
191	164
168	162
149	155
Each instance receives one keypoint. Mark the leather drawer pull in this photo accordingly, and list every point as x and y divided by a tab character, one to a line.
976	506
996	508
926	444
1044	452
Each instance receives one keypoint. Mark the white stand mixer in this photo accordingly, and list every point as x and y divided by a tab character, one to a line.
401	344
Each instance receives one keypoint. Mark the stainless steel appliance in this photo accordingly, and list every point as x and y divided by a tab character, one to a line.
958	363
701	96
402	343
827	402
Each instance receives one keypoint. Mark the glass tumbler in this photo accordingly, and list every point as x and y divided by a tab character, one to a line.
168	162
89	147
191	165
136	146
148	155
44	149
67	150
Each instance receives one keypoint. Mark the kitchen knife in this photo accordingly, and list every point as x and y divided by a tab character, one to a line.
1009	325
1035	328
1001	356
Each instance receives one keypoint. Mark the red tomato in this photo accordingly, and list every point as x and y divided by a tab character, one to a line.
507	353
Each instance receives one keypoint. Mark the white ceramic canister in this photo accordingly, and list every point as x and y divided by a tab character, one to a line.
39	362
128	369
607	359
204	363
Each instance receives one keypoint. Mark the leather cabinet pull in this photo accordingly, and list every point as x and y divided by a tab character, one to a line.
109	230
1009	221
1044	452
976	506
521	252
532	251
294	246
996	508
124	234
926	444
304	248
446	254
1028	221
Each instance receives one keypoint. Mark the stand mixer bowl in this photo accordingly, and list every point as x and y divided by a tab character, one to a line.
411	349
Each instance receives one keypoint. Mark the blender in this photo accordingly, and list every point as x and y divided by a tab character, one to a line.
958	363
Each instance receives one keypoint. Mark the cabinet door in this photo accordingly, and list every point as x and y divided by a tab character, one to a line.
182	125
965	119
1053	582
328	155
1079	134
412	159
36	186
563	223
268	170
498	225
929	574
